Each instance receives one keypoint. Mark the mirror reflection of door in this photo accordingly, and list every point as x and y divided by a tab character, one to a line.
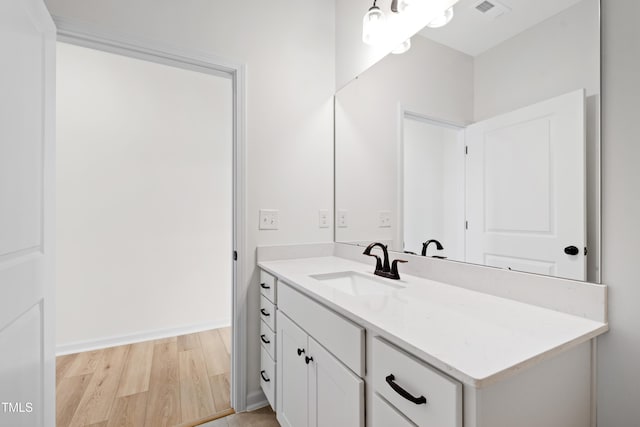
433	186
506	192
525	192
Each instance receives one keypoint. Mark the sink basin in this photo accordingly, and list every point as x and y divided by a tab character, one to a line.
354	283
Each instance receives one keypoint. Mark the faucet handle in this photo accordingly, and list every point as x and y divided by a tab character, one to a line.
394	268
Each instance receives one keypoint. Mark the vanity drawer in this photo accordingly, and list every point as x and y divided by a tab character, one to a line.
385	415
268	286
268	377
396	372
268	340
268	312
338	335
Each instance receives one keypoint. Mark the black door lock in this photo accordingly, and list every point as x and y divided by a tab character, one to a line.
571	250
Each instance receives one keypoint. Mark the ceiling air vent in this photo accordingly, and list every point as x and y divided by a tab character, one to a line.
491	8
485	6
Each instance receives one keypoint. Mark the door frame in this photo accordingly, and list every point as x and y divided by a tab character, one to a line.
406	113
150	50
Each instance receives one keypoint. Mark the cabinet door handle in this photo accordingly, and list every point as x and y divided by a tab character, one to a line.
300	351
264	340
264	312
265	379
264	286
404	393
308	359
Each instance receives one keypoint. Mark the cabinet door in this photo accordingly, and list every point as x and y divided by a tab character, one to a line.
336	395
384	415
292	397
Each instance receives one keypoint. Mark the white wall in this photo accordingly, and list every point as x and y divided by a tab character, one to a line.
555	57
144	197
288	48
433	206
368	122
619	350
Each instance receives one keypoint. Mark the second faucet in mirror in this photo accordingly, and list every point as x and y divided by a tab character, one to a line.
426	244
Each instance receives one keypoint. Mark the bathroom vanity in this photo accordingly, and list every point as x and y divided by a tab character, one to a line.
341	346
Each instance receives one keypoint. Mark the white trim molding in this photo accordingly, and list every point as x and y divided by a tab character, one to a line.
256	400
91	36
101	343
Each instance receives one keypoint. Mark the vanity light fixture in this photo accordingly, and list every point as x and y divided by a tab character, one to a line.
442	20
375	28
373	25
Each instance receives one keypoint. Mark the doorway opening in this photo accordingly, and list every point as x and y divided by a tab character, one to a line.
432	183
146	231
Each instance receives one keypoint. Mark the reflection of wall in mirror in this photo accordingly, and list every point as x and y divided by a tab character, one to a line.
433	195
554	57
367	129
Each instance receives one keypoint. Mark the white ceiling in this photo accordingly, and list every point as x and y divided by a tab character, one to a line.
472	32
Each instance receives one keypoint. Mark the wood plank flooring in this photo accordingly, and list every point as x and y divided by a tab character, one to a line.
167	382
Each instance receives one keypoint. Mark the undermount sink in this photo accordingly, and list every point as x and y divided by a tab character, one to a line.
354	283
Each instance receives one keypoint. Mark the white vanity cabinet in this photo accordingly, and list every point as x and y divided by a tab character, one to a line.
268	305
315	389
431	355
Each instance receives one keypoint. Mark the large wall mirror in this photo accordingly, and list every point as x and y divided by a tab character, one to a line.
480	144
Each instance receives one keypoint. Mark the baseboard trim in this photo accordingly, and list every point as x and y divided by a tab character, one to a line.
101	343
256	400
208	419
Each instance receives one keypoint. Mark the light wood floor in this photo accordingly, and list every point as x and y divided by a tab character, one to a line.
159	383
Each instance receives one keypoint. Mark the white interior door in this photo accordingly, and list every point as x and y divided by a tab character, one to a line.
27	337
525	188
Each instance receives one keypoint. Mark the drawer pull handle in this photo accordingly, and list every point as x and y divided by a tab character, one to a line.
265	379
264	286
264	340
264	312
404	393
308	359
300	351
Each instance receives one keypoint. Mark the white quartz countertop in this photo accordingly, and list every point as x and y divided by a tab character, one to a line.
474	337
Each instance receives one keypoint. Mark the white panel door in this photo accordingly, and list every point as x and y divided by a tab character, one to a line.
27	338
292	385
525	191
336	395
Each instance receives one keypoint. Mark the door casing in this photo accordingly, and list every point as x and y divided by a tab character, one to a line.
153	51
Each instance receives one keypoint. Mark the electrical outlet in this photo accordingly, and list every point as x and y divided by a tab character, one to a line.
323	218
342	219
268	219
385	219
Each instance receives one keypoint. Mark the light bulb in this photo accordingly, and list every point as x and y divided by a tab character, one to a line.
373	26
442	20
404	46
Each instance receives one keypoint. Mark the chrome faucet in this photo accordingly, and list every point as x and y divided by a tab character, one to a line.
382	267
426	244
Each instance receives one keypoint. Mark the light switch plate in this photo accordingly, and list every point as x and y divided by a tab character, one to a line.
342	219
385	219
268	219
323	218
